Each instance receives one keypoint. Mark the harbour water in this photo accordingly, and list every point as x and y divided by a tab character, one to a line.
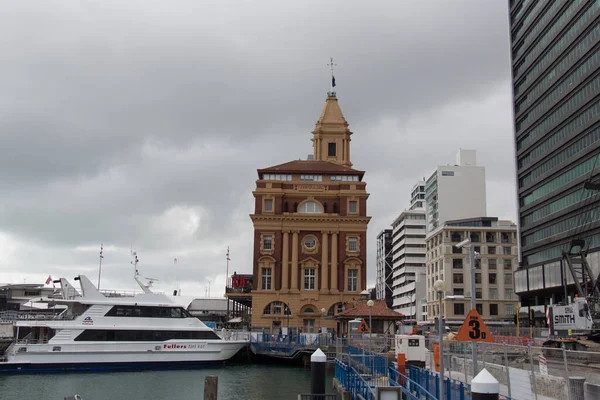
236	382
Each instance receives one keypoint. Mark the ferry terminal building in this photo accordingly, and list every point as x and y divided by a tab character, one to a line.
310	233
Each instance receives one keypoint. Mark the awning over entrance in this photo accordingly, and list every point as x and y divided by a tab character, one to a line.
235	320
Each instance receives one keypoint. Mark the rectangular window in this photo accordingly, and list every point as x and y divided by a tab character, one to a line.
493	309
491	250
268	204
509	309
268	242
459	309
353	207
457	278
478	294
493	293
309	279
266	278
352	280
479	308
491	263
331	149
459	291
492	279
477	278
447	173
508	294
508	279
353	244
457	263
507	251
311	178
309	326
508	265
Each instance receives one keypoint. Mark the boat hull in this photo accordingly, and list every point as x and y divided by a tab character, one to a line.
16	368
121	356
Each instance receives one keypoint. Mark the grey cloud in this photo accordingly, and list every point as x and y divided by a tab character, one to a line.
120	122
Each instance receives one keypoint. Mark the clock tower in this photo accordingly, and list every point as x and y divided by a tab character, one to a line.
310	225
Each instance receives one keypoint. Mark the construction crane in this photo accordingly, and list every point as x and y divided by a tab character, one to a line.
575	324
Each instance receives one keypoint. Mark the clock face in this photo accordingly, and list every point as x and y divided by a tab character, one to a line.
310	242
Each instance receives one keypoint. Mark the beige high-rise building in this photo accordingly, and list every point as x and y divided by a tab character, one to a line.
310	233
496	243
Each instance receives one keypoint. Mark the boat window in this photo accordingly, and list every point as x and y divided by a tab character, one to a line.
148	312
175	313
105	335
56	348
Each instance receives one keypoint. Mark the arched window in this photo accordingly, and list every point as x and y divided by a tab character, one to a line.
335	208
475	237
336	309
456	237
310	207
277	308
325	208
285	207
295	207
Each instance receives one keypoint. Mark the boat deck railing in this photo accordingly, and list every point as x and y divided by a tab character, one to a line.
31	341
11	316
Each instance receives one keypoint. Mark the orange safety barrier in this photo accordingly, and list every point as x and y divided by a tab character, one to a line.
436	356
401	366
518	341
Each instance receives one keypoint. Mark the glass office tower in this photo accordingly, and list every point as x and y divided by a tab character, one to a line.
555	50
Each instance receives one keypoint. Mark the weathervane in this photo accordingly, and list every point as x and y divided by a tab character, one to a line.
331	65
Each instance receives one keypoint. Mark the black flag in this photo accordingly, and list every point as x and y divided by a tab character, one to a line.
332	81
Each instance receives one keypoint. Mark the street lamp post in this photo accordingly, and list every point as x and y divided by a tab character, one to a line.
370	303
472	258
440	287
323	315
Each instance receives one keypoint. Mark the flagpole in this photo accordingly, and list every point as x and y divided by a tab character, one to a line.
227	271
100	266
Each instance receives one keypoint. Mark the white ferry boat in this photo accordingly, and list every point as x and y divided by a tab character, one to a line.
95	332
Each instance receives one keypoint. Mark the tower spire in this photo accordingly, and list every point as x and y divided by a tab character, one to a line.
331	136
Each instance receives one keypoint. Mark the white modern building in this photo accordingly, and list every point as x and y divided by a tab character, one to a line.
383	286
496	243
408	258
456	191
417	196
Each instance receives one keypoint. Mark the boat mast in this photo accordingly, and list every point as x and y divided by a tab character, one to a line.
100	267
178	290
136	274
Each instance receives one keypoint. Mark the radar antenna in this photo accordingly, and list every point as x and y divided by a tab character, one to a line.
136	275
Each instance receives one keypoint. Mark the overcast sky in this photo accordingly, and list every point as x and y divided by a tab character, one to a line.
142	123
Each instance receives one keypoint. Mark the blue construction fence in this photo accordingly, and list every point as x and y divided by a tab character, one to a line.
374	363
356	376
355	383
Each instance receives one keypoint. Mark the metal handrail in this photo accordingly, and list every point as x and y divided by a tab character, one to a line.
412	386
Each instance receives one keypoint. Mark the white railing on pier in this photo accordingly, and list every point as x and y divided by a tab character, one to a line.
230	334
